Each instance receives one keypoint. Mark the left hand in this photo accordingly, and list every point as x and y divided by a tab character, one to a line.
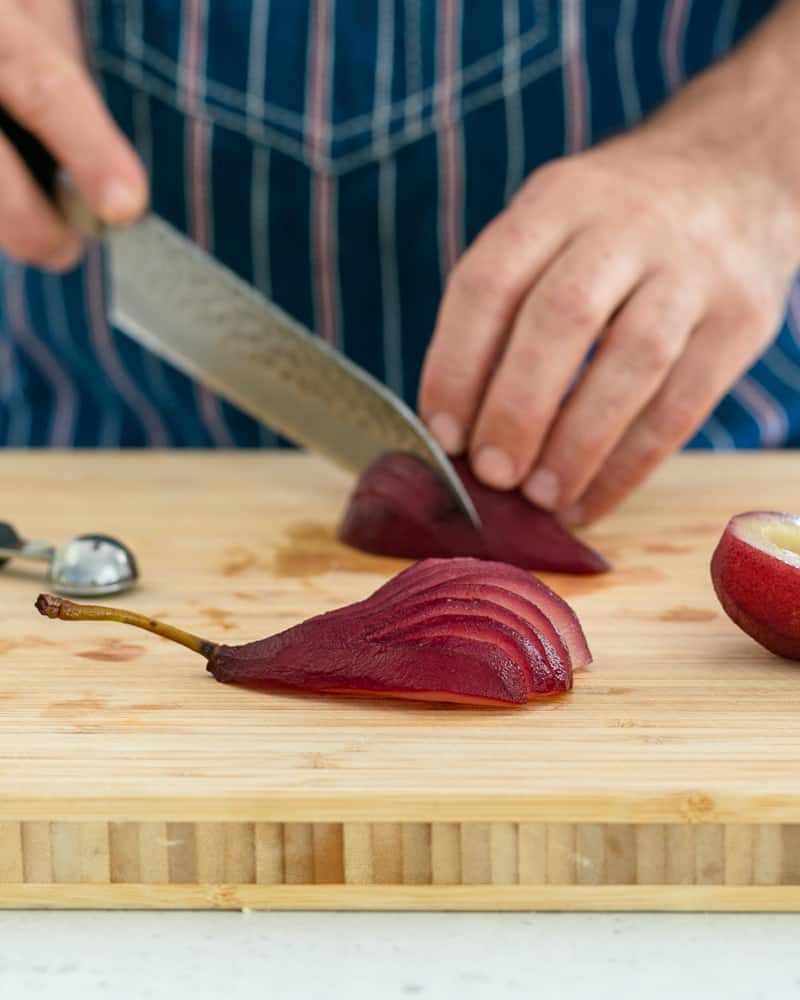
670	249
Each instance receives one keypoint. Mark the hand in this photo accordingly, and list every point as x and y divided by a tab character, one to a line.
670	250
44	85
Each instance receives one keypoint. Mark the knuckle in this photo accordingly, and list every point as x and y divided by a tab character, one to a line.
652	348
645	450
37	252
511	418
9	55
541	182
550	179
479	284
38	91
644	216
558	172
30	7
754	310
65	258
674	419
445	383
19	209
516	234
530	354
587	444
578	451
32	241
573	303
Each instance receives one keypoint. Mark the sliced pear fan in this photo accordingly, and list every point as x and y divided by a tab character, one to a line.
445	630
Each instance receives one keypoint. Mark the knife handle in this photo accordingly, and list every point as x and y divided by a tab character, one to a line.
54	182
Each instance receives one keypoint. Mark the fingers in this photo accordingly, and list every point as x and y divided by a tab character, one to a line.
30	230
582	257
48	91
567	309
635	357
479	304
717	353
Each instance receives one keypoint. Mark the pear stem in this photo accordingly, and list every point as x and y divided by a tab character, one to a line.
60	607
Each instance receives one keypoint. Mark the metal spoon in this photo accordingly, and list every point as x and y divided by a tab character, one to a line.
86	566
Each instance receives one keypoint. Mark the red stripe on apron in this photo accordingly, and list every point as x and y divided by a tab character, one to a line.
323	189
198	187
451	153
65	401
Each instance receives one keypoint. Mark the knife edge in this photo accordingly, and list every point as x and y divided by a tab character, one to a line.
170	296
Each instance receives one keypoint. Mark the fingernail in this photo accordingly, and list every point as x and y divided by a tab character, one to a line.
121	201
572	517
447	432
494	467
542	488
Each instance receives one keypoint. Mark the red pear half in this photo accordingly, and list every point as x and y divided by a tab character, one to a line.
755	570
400	508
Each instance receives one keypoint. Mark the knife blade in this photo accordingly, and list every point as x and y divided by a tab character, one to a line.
173	298
185	306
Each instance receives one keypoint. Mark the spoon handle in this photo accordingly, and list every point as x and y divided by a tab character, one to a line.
9	541
36	551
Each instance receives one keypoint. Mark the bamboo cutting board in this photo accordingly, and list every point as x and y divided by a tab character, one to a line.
669	779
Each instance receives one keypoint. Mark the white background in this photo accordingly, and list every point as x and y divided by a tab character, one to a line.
383	956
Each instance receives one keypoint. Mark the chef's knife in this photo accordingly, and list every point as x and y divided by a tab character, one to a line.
183	305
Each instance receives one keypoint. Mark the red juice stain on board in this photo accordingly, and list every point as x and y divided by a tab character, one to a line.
238	560
626	576
147	706
701	528
113	651
219	617
8	645
312	549
685	614
666	549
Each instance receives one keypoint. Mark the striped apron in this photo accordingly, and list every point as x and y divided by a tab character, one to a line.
339	155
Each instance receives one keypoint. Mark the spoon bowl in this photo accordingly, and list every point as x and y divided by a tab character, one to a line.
92	566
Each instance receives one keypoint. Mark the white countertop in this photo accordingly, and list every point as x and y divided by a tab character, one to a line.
311	956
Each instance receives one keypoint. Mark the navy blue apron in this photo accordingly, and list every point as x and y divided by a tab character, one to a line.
339	155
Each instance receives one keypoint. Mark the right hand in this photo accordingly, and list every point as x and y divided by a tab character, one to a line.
45	86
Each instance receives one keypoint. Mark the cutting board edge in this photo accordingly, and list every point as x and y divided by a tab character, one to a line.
620	898
635	806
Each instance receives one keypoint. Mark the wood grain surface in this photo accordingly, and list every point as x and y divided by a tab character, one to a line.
669	778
